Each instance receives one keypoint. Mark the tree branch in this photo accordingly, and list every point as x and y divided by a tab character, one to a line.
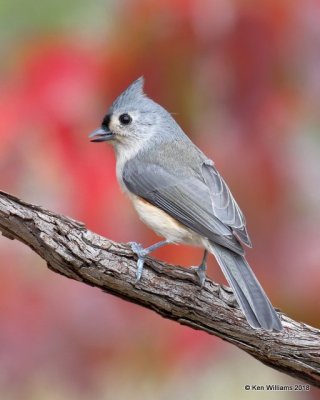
77	253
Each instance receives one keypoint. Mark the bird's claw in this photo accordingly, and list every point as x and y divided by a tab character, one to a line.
140	264
200	271
141	253
138	249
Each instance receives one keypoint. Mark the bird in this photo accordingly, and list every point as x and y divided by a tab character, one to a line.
178	192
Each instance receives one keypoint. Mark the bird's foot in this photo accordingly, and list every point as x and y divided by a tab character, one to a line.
138	249
141	253
200	271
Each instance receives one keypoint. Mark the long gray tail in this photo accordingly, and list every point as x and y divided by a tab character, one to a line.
247	290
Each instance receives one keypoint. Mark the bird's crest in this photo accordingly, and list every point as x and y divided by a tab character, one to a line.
131	95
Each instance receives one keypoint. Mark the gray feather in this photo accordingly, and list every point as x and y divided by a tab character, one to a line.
131	95
223	203
182	195
247	290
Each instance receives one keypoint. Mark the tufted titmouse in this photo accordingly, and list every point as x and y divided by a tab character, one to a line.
178	192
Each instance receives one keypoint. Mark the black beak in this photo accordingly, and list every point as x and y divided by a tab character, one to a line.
101	135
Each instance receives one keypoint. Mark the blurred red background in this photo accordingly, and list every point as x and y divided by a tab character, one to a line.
242	79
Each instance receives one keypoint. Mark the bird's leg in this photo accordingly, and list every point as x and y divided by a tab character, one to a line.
142	253
201	269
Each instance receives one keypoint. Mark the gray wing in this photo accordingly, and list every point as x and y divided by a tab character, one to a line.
185	197
225	208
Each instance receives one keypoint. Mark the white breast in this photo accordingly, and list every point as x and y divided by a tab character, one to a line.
125	153
163	224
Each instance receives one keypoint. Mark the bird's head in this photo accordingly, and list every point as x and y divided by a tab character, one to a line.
132	119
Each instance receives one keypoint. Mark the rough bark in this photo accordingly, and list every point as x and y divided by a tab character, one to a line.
77	253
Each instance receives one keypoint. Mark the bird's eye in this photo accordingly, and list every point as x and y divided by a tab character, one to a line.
125	119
